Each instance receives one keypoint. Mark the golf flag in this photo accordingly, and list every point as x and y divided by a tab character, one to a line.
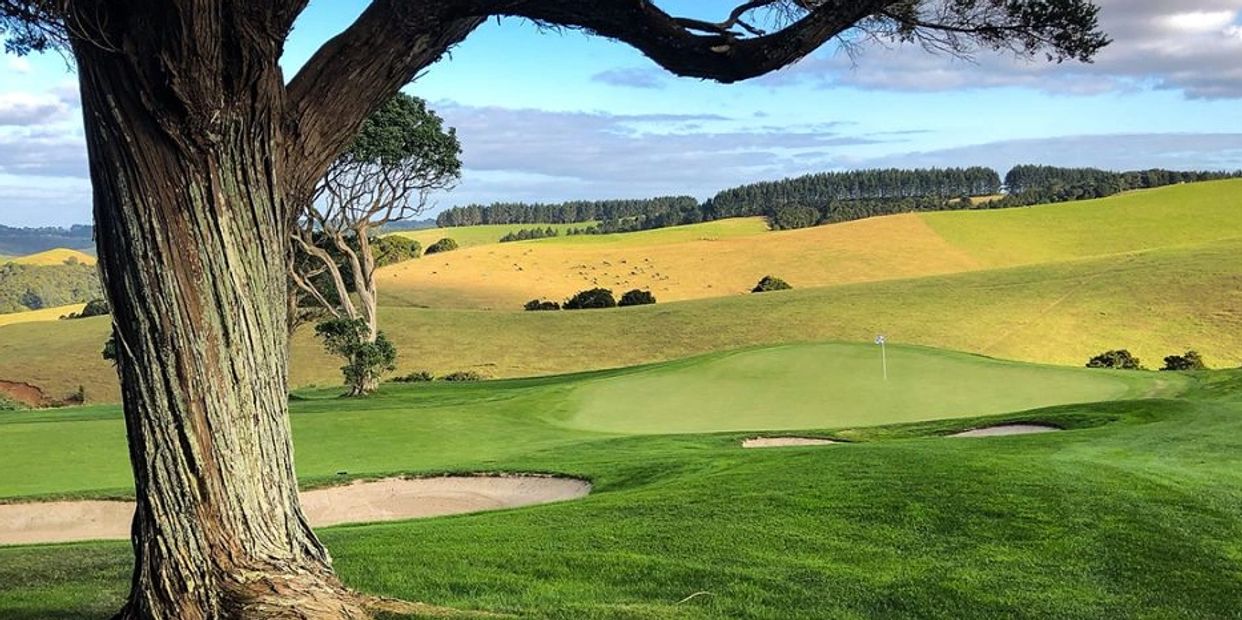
879	339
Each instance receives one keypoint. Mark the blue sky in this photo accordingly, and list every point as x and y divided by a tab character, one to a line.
555	116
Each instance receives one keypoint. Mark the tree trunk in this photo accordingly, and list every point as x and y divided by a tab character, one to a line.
192	233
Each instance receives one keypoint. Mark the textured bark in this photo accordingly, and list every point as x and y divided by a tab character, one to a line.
192	229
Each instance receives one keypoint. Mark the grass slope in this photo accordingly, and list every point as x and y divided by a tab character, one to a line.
43	314
1135	512
727	257
470	236
1155	303
58	256
426	427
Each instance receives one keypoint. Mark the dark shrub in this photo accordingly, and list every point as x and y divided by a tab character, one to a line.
1190	361
637	298
444	245
418	376
94	307
592	298
770	283
535	305
463	375
1120	359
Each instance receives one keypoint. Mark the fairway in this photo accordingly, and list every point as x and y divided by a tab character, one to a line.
816	386
470	236
1130	511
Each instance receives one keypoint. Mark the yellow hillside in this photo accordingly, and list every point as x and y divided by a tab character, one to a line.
58	256
43	314
727	257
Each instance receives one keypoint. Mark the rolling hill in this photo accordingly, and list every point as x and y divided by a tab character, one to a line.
1181	290
727	257
57	256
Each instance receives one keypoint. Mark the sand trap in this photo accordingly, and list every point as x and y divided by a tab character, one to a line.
390	499
1007	429
785	442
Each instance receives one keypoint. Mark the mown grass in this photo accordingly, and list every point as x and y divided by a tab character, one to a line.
1134	512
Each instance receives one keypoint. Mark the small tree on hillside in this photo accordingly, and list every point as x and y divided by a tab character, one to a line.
637	297
1120	359
367	356
1191	360
771	283
446	244
401	155
591	298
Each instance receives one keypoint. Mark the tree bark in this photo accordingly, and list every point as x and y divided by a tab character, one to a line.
192	232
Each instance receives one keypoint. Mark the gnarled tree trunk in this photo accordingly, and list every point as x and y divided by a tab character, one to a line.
192	231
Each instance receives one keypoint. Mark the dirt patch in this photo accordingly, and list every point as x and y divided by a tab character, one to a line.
24	393
785	442
390	499
1008	429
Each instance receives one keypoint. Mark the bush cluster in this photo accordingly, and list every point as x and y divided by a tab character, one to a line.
94	307
537	305
533	233
637	298
1122	359
424	376
446	244
590	299
771	283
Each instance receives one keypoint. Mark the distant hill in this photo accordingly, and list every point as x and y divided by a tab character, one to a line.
56	256
56	277
23	241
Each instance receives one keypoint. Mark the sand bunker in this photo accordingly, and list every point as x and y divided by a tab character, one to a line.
390	499
1007	429
784	442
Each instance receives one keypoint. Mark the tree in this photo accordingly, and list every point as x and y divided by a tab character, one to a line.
591	298
636	297
367	355
201	155
444	245
401	155
1191	360
1120	359
771	283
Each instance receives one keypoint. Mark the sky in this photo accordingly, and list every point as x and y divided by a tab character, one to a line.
551	116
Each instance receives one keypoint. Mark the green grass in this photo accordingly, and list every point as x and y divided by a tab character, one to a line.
470	236
1155	303
1136	511
1192	213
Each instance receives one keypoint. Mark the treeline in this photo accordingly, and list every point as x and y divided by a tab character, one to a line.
1028	184
563	212
830	197
525	234
33	287
23	241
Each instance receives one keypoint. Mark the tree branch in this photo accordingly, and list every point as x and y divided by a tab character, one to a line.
353	74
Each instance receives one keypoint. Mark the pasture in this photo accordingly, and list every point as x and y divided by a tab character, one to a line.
58	256
1134	510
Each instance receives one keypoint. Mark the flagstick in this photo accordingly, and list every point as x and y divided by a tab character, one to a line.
884	360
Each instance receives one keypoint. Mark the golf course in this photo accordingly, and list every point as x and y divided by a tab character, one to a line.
1132	509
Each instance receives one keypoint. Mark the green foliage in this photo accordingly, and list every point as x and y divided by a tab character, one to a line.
1120	359
418	376
793	215
406	133
533	233
444	245
94	307
536	305
32	287
110	351
365	362
590	299
771	283
393	249
637	297
8	404
463	375
1191	360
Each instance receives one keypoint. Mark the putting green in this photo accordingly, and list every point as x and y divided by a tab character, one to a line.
823	385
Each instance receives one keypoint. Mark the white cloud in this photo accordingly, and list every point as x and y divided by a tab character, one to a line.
1194	46
17	64
28	109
